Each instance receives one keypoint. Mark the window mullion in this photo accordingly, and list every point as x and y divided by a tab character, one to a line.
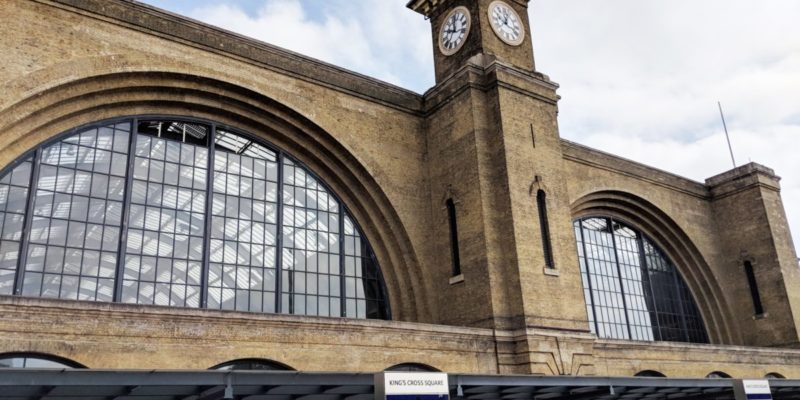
208	212
342	285
589	278
279	238
619	276
649	284
22	259
126	211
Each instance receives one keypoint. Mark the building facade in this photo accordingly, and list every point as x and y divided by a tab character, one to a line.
181	197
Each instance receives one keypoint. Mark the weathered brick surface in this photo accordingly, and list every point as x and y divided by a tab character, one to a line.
486	136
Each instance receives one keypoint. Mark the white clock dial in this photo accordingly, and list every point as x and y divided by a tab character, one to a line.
454	31
506	23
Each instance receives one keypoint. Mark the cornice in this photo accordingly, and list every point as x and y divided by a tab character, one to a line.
483	72
742	179
429	8
598	159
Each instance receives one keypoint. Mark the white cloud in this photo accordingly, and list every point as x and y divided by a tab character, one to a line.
705	157
369	37
638	78
641	80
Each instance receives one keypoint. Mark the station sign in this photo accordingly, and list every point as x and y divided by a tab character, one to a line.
411	386
752	390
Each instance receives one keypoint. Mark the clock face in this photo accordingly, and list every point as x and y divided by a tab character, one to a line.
454	31
506	23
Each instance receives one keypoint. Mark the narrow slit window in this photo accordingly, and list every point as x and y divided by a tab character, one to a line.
451	217
547	249
751	281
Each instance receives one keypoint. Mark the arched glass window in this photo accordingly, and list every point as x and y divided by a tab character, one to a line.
774	375
252	364
452	221
758	309
718	375
631	288
181	213
36	360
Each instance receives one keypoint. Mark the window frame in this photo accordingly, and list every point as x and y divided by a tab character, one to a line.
34	155
648	289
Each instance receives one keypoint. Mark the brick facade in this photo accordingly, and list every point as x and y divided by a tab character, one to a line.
486	136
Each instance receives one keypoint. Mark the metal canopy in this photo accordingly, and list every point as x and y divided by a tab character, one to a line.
72	384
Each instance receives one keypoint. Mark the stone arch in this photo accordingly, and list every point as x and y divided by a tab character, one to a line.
49	111
666	233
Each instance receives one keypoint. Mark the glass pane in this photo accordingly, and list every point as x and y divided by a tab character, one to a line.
72	213
242	278
164	251
14	188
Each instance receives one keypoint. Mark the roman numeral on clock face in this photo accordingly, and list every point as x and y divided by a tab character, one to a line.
454	30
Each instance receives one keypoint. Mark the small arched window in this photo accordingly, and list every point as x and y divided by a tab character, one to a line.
718	375
650	373
774	375
632	290
453	223
544	225
753	284
252	364
36	360
412	367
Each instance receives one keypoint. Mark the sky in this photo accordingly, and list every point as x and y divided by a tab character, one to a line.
639	79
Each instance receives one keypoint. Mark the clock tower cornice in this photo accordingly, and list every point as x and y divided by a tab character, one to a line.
430	8
463	29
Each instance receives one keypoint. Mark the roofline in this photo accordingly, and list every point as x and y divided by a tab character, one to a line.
158	22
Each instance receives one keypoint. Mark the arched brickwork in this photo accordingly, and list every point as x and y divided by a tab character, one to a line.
48	111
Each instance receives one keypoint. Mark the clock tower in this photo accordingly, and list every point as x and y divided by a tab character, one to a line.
496	173
463	29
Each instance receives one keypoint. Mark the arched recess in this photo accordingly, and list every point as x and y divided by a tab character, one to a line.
649	373
253	364
412	367
660	228
36	360
46	113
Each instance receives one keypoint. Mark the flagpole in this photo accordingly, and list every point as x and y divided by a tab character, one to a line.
724	125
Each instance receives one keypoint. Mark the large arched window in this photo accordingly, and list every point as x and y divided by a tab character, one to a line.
632	290
181	213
